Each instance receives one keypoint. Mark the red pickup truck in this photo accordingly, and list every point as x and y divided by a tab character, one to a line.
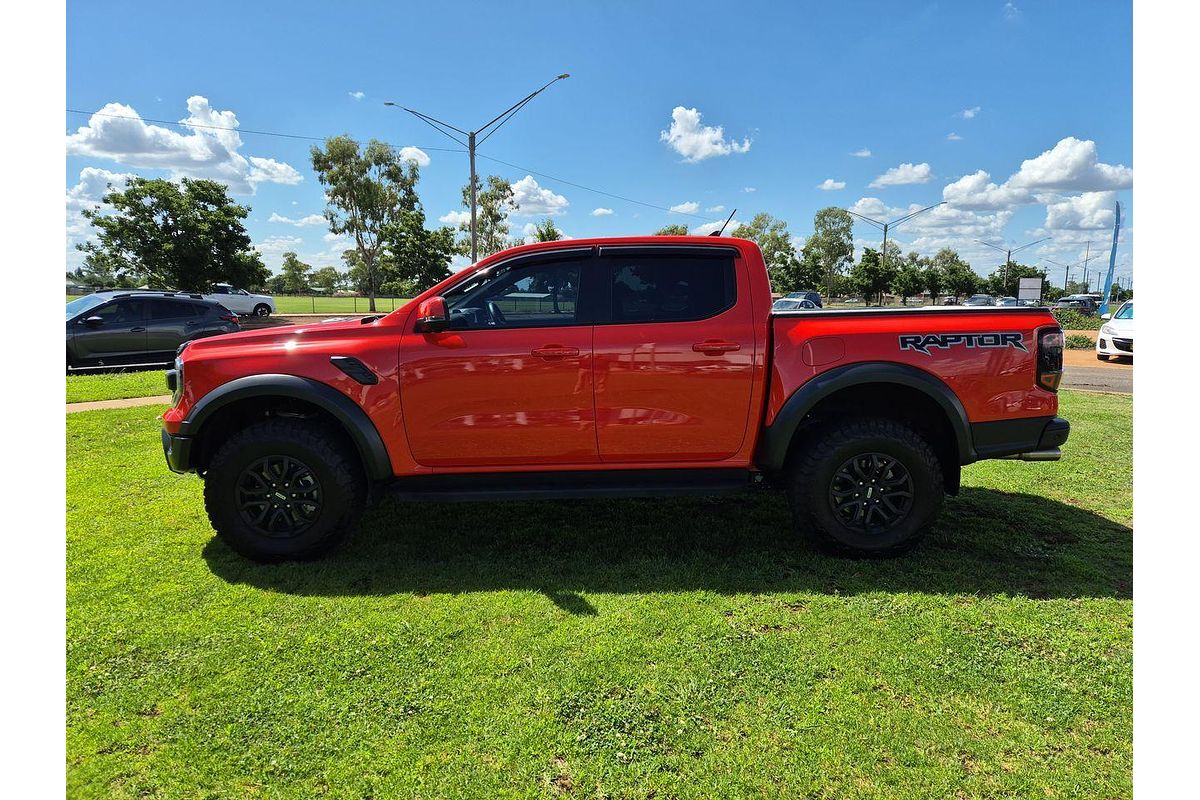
611	367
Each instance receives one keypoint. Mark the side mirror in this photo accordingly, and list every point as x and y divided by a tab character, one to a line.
432	316
94	322
1106	315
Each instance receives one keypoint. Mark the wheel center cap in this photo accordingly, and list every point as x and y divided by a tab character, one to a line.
281	495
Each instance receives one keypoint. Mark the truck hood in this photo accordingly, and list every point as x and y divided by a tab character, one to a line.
307	333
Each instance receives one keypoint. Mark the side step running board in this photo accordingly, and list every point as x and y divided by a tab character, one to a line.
572	484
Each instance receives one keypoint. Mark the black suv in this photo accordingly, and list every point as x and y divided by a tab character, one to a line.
109	328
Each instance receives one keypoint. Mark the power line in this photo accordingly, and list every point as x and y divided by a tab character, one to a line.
433	149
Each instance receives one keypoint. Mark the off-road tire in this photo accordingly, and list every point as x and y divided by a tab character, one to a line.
262	310
332	462
810	483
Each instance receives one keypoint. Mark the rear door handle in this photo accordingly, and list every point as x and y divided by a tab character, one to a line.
138	329
714	347
554	351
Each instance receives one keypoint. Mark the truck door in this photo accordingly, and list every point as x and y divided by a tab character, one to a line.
674	354
511	382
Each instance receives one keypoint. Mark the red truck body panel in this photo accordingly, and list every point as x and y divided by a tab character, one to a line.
613	396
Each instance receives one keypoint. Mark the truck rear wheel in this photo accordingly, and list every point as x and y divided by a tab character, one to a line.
283	490
865	487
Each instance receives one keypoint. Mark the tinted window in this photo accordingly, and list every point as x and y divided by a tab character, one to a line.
1125	312
220	290
539	295
172	309
669	288
121	312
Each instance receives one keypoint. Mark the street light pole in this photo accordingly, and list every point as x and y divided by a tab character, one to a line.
1008	254
887	226
498	121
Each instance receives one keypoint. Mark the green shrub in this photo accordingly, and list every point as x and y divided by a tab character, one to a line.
1072	320
1079	341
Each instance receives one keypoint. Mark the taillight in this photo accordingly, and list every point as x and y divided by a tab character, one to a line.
1050	358
230	318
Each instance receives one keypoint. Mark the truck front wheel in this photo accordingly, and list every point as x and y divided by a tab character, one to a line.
865	487
284	489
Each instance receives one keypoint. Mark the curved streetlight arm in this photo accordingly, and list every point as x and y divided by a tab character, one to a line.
907	217
1031	244
874	222
517	105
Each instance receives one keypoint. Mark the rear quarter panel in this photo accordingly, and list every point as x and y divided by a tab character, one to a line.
992	383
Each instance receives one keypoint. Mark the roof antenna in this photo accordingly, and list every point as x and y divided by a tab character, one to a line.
718	233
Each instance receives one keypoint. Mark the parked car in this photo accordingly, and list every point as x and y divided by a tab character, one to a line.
980	300
1082	303
667	375
136	327
1008	301
1116	335
949	300
812	297
791	303
241	302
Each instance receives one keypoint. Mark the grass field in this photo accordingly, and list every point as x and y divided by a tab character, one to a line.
682	648
84	387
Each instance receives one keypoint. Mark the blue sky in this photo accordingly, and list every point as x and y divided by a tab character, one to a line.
795	89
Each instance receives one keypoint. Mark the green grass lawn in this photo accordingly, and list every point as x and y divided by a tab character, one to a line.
84	387
328	305
678	648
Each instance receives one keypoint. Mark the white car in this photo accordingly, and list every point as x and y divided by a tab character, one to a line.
1116	334
241	302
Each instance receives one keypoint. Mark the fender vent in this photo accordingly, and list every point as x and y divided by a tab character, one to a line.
355	369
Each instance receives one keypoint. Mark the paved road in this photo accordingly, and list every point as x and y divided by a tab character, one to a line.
1081	370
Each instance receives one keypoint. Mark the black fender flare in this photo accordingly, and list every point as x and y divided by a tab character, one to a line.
777	437
353	419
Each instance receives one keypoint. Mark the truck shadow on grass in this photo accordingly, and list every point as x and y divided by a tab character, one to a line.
987	542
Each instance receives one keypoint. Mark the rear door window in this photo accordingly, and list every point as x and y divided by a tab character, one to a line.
669	288
172	309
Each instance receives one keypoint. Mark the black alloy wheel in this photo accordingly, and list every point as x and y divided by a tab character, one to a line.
278	496
871	492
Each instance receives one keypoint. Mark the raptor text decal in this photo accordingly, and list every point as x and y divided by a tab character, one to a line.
922	342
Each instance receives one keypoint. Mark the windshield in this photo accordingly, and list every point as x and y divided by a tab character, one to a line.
1125	311
76	307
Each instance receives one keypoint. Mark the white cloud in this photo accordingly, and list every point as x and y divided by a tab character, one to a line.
602	212
863	153
715	209
1011	12
979	192
946	224
830	185
338	239
690	207
749	189
533	199
953	137
969	113
311	219
357	95
1086	212
696	142
87	194
903	175
205	152
455	218
1071	165
709	227
273	248
414	154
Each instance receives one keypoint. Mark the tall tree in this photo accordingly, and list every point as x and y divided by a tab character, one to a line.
546	231
493	205
1005	282
771	236
957	277
672	230
366	190
831	246
327	278
168	235
871	277
909	279
295	274
932	279
417	257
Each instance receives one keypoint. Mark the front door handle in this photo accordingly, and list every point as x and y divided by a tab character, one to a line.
138	329
714	347
554	351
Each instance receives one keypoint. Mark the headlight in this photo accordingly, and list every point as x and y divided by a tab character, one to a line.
1109	329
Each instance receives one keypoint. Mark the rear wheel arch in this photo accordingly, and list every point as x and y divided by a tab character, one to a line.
881	390
241	402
